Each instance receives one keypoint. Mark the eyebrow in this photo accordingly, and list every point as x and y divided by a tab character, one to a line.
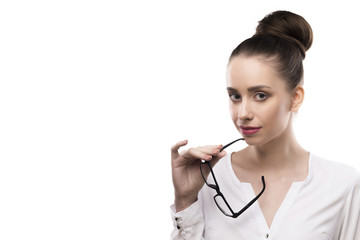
250	89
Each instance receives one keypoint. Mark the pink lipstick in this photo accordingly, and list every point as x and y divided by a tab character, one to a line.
248	130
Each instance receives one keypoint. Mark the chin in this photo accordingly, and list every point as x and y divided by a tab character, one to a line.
253	141
260	139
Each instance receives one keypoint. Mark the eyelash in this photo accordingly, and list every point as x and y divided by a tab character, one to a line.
261	93
238	97
232	97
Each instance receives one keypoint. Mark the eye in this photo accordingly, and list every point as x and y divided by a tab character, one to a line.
235	97
260	96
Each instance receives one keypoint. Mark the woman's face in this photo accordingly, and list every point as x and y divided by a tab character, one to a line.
260	104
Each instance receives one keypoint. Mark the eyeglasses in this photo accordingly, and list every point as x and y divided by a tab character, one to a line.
219	198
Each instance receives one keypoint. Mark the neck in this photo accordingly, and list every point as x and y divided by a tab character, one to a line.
281	152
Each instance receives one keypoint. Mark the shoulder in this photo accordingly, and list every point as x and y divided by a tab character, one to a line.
336	173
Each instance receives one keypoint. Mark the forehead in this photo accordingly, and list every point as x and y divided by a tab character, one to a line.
244	72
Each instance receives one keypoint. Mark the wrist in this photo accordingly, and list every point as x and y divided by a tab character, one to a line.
183	203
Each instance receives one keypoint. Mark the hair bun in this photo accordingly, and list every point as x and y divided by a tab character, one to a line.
287	25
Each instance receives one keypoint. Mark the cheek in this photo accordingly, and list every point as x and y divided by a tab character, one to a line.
276	115
233	112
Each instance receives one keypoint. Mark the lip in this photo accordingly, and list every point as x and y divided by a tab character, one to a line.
249	130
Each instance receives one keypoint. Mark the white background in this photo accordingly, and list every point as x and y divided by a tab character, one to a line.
94	93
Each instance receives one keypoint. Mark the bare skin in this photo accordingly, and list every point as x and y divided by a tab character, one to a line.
273	152
187	179
279	173
258	97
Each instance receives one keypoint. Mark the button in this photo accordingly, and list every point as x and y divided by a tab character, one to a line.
267	235
178	227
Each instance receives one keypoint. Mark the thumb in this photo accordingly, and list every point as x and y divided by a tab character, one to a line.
175	148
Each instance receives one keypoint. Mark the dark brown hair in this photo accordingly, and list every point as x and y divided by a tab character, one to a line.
283	37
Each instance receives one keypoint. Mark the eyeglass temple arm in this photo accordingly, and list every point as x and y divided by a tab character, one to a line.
231	143
252	201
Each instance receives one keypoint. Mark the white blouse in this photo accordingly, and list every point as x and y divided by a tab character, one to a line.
326	205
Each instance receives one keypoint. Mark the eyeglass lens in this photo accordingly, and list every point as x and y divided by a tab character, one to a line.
223	206
210	181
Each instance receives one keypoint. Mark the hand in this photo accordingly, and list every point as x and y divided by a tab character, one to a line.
186	175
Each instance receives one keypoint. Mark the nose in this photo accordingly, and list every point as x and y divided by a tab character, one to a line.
245	112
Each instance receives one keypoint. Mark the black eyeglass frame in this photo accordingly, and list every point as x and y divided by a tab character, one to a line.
219	193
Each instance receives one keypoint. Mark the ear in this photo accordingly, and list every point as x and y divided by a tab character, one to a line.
297	98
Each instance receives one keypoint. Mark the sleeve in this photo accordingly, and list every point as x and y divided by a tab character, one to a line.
188	224
351	226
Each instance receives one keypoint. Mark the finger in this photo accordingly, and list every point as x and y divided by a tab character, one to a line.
213	162
194	153
216	159
211	150
204	152
175	148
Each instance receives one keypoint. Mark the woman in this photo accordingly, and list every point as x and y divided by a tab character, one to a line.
292	194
